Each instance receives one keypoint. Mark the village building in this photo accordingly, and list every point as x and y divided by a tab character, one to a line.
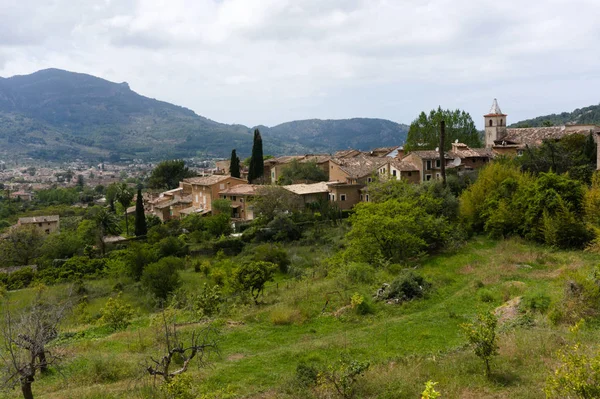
428	163
169	204
43	224
399	169
241	196
205	189
310	193
344	195
22	195
466	158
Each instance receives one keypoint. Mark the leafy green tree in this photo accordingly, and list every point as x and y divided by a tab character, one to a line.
424	132
253	276
111	195
304	172
162	278
124	197
234	165
141	229
138	256
394	230
61	245
256	169
21	245
106	224
272	201
482	336
167	174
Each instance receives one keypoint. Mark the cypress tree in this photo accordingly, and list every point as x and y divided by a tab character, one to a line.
234	165
140	217
257	166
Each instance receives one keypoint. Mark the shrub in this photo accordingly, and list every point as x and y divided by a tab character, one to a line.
116	314
273	253
486	295
343	376
538	302
207	300
407	286
430	392
578	374
162	278
172	246
306	374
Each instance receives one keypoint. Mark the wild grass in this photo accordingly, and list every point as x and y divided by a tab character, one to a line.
305	318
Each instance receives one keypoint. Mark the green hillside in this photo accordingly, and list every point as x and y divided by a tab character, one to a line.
586	115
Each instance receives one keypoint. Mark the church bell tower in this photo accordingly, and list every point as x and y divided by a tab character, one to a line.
495	125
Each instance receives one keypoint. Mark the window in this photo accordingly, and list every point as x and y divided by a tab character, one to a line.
428	163
409	174
333	197
342	197
437	163
361	197
437	175
221	186
367	197
491	122
241	200
233	198
196	197
427	177
501	122
369	180
394	172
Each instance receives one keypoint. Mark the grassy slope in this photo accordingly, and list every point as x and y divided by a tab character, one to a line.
406	344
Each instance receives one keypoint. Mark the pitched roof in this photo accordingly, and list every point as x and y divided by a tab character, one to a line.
176	201
303	189
39	219
403	165
360	165
317	158
461	150
209	180
241	189
346	153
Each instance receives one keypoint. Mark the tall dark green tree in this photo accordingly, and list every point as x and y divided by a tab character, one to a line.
234	165
257	166
167	174
424	132
140	217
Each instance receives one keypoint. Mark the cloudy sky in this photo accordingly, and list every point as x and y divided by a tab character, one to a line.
270	61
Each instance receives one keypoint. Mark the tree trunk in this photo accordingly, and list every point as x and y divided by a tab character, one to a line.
26	387
43	361
126	224
442	145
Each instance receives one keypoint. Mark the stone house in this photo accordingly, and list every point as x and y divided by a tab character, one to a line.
310	193
398	169
241	200
43	224
205	189
344	195
428	163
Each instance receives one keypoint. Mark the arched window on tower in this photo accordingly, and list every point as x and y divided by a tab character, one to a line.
491	122
501	122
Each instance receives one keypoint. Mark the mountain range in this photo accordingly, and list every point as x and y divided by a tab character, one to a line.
58	115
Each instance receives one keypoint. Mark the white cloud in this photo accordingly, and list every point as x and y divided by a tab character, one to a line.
268	61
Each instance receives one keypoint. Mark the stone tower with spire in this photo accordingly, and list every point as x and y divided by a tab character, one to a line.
495	125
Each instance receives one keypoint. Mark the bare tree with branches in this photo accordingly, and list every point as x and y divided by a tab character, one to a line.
201	344
24	337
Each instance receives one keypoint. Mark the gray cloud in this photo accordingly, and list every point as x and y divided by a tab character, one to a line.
267	61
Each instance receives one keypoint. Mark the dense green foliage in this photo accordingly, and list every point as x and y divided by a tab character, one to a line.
167	174
424	132
301	172
575	154
547	208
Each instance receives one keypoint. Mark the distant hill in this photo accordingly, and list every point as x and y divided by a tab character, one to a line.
59	115
587	115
